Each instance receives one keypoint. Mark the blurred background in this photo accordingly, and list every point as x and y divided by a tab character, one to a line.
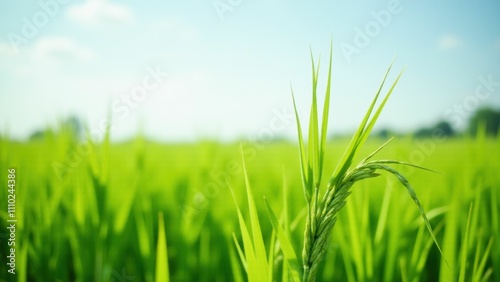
124	123
184	70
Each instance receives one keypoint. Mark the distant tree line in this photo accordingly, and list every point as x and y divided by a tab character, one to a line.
71	125
484	120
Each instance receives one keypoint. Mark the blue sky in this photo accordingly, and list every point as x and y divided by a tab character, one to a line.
223	69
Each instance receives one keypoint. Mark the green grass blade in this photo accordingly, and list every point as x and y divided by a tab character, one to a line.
374	118
487	275
258	241
286	222
123	211
346	252
368	247
286	246
240	253
270	258
376	151
451	236
424	254
382	219
302	155
465	246
403	163
286	226
161	273
414	197
482	264
356	242
313	139
357	139
235	267
326	111
253	269
142	235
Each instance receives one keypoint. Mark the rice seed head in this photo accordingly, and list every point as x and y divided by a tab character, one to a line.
322	214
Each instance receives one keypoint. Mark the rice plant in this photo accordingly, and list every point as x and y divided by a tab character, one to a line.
324	206
147	211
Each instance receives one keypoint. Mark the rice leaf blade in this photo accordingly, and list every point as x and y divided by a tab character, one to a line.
258	241
253	269
302	155
312	142
240	252
482	264
465	245
373	120
162	271
326	111
286	246
357	140
237	275
415	199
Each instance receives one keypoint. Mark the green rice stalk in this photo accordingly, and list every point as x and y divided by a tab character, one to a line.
322	214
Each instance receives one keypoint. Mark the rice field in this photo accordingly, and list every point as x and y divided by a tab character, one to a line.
89	199
147	211
411	210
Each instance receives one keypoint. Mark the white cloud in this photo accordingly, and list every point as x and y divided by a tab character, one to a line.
61	49
46	55
449	41
99	12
